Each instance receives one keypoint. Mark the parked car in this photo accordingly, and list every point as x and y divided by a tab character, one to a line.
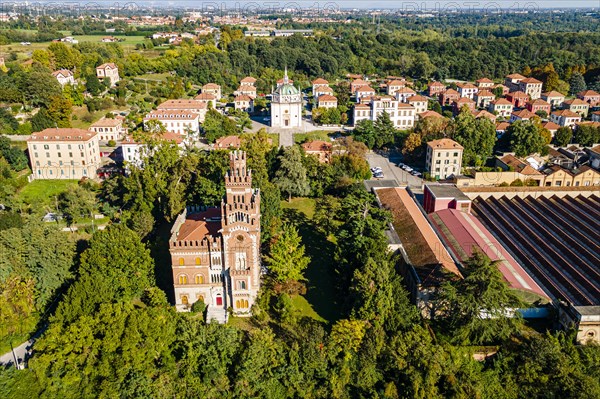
378	175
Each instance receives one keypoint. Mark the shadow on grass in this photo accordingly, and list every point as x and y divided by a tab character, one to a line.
321	290
158	243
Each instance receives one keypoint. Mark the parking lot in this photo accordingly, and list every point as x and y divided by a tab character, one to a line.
391	171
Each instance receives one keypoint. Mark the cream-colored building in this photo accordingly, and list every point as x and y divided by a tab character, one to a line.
243	103
468	90
175	121
578	106
109	129
554	98
532	87
318	83
64	77
419	102
444	158
327	101
196	106
501	107
64	153
214	89
402	115
110	71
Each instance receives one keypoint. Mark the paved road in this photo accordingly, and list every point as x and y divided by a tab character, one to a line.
391	171
20	351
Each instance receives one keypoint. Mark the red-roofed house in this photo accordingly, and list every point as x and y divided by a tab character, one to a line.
518	98
419	102
358	83
590	96
363	91
320	149
448	96
483	98
64	76
565	117
531	87
228	142
501	107
244	103
539	105
108	70
214	89
485	83
554	98
318	83
484	114
578	106
327	101
393	86
551	127
522	115
248	81
457	105
444	158
467	90
512	81
320	90
404	93
435	88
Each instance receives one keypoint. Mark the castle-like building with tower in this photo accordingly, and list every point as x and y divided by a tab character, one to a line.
215	252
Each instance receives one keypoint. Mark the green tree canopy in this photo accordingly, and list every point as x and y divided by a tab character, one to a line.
286	259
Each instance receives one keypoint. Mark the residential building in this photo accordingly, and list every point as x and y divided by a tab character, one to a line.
363	91
484	114
393	86
317	83
448	97
554	98
402	115
522	115
246	90
578	106
406	116
320	90
176	121
109	129
501	128
485	83
244	103
286	106
404	93
590	96
444	158
518	98
196	106
434	89
214	89
551	127
215	252
419	102
505	89
458	105
565	118
207	98
320	149
467	90
501	107
64	153
134	151
248	81
358	83
429	114
512	81
532	87
64	77
228	142
539	105
483	98
327	101
110	71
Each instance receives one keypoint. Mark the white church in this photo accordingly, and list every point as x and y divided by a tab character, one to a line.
286	105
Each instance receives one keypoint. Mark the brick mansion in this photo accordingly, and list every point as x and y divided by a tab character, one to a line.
215	252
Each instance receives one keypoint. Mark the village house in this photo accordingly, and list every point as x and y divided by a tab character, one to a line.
406	116
109	129
512	81
518	98
504	89
462	102
198	107
363	91
467	90
539	105
551	127
483	98
532	87
64	153
134	151
215	252
244	103
444	158
578	106
448	97
320	90
590	96
357	84
404	93
248	81
522	115
429	114
393	86
320	149
419	102
228	142
318	83
434	89
246	90
214	89
501	107
565	117
176	121
554	98
327	101
484	114
110	71
501	128
208	98
485	83
594	156
64	77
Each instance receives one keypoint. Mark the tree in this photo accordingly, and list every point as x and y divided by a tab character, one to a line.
291	175
77	203
479	308
525	138
60	110
286	260
411	145
384	130
13	155
477	136
587	135
364	131
217	125
577	84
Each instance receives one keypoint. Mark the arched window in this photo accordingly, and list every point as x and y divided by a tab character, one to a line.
184	300
181	261
198	261
199	279
238	304
242	285
183	279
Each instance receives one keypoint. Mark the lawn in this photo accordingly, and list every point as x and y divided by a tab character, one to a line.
44	191
324	135
321	301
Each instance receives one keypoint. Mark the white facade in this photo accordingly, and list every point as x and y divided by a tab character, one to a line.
402	115
180	122
64	77
286	106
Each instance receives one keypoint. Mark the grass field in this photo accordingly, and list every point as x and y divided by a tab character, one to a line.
304	205
43	191
316	135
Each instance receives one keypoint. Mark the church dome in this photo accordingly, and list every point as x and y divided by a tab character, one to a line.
287	89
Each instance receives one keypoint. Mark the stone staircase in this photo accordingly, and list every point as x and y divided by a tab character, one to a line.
216	313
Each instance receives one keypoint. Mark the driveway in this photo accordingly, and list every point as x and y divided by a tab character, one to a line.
391	171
